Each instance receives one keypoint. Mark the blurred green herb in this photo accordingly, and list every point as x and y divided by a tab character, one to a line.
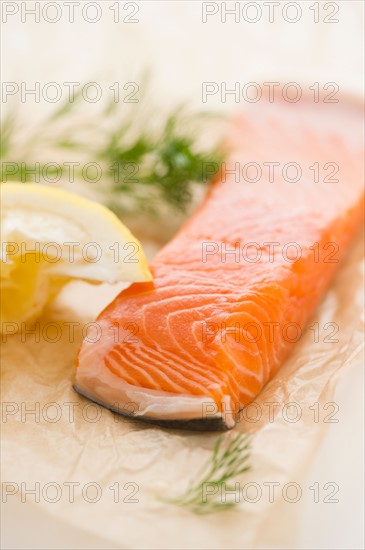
229	459
144	165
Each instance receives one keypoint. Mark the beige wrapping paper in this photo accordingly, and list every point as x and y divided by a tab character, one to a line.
108	451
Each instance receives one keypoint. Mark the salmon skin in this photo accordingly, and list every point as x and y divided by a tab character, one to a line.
242	277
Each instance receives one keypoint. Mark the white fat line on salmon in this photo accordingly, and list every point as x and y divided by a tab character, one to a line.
106	388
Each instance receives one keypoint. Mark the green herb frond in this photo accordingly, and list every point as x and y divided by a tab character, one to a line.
230	458
147	161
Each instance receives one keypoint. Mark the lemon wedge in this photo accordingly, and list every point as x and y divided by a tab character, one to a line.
50	236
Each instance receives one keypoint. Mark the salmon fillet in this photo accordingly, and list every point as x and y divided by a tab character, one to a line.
242	278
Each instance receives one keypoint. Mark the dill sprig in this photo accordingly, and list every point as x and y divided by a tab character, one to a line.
148	160
229	459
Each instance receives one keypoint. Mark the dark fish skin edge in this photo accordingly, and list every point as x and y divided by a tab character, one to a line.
195	424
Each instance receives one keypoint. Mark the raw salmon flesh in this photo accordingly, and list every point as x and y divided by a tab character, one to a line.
243	276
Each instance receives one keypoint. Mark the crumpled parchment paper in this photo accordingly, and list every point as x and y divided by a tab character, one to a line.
102	473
